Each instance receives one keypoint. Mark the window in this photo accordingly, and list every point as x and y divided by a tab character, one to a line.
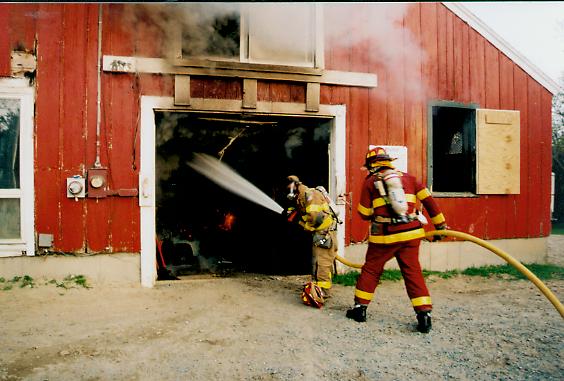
261	33
16	168
473	150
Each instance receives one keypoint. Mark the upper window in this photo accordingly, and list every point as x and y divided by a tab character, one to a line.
270	33
474	150
16	169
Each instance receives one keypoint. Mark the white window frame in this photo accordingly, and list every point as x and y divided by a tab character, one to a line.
20	89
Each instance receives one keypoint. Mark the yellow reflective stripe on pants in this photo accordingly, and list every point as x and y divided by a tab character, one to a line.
363	294
421	301
398	237
323	284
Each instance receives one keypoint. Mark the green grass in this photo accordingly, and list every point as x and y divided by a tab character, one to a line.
558	228
542	271
22	281
70	281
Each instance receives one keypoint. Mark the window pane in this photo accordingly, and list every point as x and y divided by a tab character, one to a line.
453	149
9	218
211	31
9	143
282	34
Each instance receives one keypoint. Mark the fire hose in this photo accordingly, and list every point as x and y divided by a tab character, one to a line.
509	259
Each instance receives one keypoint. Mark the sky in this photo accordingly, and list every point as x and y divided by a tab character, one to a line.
534	28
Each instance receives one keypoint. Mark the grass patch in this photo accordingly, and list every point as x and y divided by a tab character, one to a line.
558	228
70	281
20	281
542	271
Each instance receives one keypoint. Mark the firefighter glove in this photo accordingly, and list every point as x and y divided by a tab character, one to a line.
439	227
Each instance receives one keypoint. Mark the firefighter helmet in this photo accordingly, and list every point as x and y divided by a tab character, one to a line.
377	157
312	295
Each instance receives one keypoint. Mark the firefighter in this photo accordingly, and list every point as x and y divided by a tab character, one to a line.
312	209
394	235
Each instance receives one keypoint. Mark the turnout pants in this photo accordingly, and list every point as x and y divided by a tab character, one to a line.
322	263
407	255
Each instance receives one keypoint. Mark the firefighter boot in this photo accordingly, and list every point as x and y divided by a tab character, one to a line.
424	321
358	313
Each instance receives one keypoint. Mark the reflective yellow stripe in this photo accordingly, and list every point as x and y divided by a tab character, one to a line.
306	226
365	211
423	194
323	284
421	301
316	208
326	224
363	294
439	218
398	237
378	202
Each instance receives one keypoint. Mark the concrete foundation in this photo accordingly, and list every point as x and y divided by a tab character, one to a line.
101	269
460	255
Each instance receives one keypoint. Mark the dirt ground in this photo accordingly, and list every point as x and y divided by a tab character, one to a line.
254	327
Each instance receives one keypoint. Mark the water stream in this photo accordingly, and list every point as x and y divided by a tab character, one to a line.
227	178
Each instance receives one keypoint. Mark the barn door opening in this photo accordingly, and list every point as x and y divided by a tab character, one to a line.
203	228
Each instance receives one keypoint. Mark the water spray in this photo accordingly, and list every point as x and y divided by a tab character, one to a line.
227	178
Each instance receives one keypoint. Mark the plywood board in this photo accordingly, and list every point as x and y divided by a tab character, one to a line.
497	152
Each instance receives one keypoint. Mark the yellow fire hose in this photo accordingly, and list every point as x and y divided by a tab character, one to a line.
509	259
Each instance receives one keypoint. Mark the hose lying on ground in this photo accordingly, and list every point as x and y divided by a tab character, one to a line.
509	259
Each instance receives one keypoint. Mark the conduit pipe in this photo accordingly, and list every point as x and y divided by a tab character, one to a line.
97	163
509	259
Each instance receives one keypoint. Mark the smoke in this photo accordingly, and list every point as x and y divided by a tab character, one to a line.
195	22
373	33
294	140
378	28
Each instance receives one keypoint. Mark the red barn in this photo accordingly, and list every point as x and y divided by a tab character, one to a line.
102	107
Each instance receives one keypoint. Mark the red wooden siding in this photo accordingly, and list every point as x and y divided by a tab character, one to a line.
435	56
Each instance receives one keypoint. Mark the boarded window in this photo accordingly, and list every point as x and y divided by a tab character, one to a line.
498	155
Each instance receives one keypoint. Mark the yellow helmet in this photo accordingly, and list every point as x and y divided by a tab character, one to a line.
378	157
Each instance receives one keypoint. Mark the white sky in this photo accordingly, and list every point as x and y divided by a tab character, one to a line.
534	29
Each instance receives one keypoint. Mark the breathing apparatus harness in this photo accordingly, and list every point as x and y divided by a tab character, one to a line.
389	185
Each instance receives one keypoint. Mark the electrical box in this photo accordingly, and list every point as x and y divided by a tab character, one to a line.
76	187
97	182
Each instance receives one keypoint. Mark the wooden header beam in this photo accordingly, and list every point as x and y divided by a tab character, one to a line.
122	64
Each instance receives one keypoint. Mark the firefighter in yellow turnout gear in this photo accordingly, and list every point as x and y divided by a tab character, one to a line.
315	215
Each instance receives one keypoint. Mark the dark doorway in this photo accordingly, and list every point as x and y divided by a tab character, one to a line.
204	228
